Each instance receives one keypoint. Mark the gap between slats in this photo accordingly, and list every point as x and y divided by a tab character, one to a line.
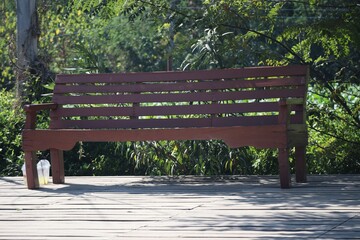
176	86
214	108
165	123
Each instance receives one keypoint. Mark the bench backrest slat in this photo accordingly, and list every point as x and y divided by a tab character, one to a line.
77	87
205	98
179	97
251	72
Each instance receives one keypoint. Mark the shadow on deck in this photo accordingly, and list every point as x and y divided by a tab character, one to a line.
248	207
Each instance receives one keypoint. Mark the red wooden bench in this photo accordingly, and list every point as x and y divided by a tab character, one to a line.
262	107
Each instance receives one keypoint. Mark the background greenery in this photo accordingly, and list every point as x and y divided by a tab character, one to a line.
142	35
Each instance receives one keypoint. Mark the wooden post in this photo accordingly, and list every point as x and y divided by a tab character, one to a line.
26	40
284	168
57	162
283	157
31	170
300	151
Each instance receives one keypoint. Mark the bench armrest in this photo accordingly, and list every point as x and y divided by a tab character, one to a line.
40	107
31	112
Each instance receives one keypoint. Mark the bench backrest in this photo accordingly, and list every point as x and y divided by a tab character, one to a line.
205	98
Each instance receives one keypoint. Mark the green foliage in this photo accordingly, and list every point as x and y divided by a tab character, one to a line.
240	33
100	159
11	123
7	44
168	158
142	35
100	45
334	145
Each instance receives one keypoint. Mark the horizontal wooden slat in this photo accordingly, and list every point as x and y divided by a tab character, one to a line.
165	123
179	86
269	136
180	97
187	75
168	110
40	107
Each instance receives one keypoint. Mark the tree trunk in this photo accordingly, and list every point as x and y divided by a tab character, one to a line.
26	40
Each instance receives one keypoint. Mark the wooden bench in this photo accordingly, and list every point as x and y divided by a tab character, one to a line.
262	107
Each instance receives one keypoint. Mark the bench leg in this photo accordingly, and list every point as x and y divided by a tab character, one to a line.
57	164
31	170
284	168
300	164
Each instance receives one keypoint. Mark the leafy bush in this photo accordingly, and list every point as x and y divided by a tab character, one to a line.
7	44
334	144
11	124
99	158
168	158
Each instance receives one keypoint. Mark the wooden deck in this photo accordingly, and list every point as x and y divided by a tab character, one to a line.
328	207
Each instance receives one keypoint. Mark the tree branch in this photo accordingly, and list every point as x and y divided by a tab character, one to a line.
337	98
288	49
334	136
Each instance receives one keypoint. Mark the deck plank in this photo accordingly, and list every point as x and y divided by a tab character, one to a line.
234	207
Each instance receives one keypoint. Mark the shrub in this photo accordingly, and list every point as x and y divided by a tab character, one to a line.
11	124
